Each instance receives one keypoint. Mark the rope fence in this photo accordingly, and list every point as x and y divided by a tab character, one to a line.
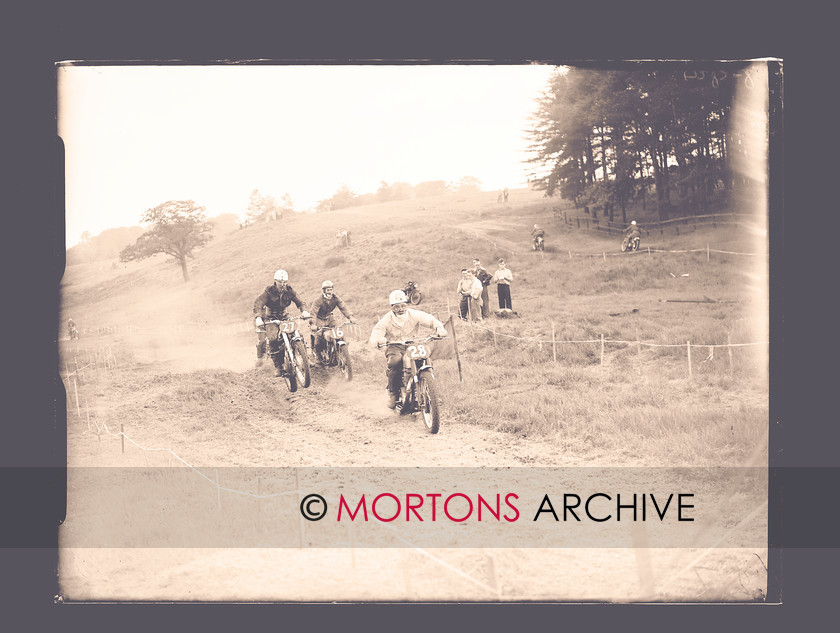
594	224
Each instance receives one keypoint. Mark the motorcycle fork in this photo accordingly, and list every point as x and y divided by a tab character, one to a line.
289	353
410	387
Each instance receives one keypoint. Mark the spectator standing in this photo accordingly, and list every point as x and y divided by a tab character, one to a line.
484	279
503	278
469	289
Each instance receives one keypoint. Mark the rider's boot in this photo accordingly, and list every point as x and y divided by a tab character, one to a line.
260	353
278	366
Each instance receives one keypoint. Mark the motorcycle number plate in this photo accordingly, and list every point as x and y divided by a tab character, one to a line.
417	351
288	326
338	332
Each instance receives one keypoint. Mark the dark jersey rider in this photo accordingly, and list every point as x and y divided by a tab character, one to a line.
272	304
322	308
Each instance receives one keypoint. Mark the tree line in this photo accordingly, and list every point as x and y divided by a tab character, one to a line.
387	192
604	138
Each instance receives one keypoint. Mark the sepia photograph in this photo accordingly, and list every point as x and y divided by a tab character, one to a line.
401	332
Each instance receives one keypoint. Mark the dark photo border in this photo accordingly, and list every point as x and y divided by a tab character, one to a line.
39	35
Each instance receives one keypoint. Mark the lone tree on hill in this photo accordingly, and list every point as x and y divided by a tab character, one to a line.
178	228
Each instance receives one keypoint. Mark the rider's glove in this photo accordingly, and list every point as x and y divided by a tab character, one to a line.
258	321
441	332
305	314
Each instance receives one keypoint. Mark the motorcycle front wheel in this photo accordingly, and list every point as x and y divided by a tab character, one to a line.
415	297
289	375
428	402
344	365
304	378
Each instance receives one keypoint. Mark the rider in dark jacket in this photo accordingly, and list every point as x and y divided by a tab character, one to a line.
323	308
633	230
272	304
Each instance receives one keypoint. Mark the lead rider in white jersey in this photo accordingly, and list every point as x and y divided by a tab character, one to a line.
400	324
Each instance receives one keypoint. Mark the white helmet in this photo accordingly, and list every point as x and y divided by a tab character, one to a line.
397	296
327	284
535	226
281	275
633	223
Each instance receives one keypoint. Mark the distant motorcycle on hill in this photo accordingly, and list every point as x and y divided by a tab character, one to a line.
539	243
413	293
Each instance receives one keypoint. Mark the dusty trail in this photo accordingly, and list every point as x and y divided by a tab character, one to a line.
247	418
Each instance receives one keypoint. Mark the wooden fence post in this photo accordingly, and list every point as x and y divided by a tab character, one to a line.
707	251
76	392
455	345
553	343
729	349
122	438
688	349
602	349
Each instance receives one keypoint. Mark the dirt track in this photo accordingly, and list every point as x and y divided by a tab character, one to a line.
247	418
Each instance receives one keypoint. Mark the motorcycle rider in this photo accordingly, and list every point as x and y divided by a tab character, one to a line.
633	231
272	304
401	323
323	308
71	328
535	233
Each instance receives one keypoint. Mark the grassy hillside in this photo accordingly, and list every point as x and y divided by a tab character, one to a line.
633	398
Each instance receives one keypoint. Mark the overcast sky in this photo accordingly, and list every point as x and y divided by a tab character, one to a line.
137	136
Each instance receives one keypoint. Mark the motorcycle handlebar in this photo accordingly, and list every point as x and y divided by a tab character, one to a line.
293	318
410	341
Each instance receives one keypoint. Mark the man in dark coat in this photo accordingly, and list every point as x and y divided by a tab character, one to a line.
272	304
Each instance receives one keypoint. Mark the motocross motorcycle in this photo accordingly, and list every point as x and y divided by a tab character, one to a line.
413	293
419	392
539	243
74	333
630	243
335	352
288	351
